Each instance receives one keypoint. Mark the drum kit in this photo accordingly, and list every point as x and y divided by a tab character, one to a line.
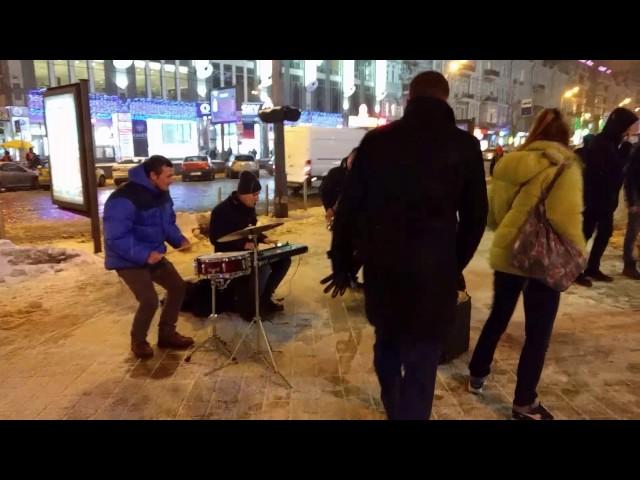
222	267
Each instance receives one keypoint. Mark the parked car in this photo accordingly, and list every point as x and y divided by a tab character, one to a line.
120	171
239	163
197	167
13	175
218	165
44	177
266	164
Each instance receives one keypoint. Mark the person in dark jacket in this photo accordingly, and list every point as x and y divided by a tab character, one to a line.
138	220
603	178
586	140
235	213
330	191
421	223
632	195
332	185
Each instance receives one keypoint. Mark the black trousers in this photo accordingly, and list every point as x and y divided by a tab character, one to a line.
540	309
602	221
406	369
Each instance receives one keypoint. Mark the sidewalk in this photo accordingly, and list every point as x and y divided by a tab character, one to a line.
64	349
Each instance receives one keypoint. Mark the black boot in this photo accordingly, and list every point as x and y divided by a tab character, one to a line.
584	281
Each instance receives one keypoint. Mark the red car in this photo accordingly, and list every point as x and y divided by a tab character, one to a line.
197	167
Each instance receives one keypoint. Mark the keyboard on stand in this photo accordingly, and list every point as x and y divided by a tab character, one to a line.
273	254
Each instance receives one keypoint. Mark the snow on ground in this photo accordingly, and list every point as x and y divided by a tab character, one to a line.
18	264
67	307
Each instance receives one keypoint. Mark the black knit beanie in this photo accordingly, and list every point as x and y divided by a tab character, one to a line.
248	183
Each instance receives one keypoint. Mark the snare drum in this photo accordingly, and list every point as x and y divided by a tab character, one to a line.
224	265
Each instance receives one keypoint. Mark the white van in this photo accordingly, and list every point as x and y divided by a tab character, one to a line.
310	152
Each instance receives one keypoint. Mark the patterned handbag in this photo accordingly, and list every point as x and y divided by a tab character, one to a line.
541	253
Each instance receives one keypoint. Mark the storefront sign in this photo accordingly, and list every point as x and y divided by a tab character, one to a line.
203	109
250	111
125	134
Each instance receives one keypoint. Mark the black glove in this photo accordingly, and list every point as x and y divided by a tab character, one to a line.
337	281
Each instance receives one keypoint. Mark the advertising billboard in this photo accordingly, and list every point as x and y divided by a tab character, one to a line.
65	159
223	106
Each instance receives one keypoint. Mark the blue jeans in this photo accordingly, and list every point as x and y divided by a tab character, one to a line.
630	238
406	369
540	309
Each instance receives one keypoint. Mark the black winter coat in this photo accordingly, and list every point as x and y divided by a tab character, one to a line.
227	217
604	164
409	183
332	185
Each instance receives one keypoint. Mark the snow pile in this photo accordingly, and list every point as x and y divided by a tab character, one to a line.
19	263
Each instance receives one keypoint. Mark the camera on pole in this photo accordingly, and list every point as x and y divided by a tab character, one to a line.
279	114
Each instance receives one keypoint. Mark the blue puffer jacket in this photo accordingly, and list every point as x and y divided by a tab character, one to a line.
138	219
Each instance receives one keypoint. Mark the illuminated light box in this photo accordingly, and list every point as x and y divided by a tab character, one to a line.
62	121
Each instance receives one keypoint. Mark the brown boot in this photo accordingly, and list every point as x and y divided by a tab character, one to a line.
141	349
175	340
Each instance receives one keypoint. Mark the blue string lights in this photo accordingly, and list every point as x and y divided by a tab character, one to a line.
104	106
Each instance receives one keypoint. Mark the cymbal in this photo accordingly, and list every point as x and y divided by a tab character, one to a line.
246	232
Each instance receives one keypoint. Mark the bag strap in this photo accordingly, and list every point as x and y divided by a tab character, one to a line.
545	193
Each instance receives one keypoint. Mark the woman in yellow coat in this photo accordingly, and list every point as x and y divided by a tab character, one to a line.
518	181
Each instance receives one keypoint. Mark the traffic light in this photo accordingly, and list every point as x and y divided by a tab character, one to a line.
279	114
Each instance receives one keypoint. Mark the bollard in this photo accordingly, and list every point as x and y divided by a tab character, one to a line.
219	194
304	194
267	192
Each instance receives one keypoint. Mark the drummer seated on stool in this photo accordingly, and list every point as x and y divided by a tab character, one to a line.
236	212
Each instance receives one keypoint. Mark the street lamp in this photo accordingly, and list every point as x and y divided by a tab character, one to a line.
626	101
568	94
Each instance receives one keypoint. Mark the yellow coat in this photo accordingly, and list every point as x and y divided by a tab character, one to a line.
518	180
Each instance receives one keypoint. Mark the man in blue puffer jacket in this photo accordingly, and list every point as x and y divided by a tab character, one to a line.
138	220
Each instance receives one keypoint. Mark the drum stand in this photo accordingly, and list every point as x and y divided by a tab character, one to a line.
222	284
257	320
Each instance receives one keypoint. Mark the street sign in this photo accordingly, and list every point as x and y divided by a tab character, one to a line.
526	107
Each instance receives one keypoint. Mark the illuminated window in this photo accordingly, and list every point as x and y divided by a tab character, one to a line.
98	75
141	78
156	86
61	68
169	75
80	69
176	133
42	73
